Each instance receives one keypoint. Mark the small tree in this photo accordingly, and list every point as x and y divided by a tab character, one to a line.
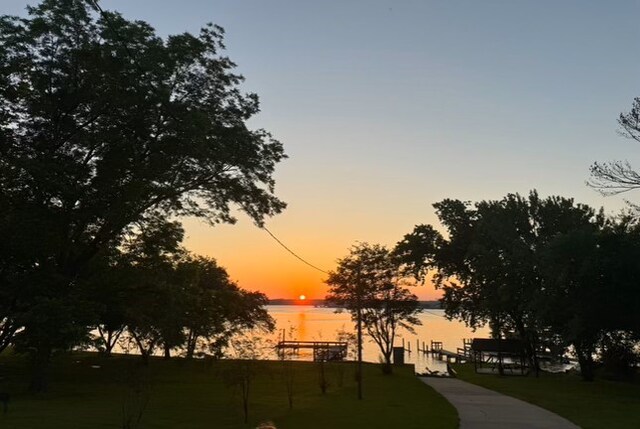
350	338
243	370
368	283
288	369
155	309
217	307
136	397
323	383
394	307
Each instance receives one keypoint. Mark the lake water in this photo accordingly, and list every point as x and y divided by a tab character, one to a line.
322	324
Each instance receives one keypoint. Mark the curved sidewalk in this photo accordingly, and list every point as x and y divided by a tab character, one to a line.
481	408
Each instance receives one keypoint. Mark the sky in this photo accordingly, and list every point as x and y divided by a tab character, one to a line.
386	107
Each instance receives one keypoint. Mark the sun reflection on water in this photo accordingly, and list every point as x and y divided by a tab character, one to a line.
318	323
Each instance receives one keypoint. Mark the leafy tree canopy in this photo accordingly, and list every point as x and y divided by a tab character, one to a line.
616	177
107	129
103	122
370	285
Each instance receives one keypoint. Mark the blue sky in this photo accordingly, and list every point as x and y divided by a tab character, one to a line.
387	107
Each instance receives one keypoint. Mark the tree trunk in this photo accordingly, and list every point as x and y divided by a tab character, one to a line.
107	343
585	359
246	385
191	344
527	338
145	353
387	368
109	338
536	362
167	352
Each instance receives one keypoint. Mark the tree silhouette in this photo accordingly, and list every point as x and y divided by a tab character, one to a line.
368	283
104	125
489	267
616	177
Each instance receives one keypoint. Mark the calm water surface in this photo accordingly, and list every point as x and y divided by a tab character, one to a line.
317	323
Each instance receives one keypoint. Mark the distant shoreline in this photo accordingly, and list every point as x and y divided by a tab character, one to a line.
433	305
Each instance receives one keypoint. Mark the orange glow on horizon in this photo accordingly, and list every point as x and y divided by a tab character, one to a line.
257	263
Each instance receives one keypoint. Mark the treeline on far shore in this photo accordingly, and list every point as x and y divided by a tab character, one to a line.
323	303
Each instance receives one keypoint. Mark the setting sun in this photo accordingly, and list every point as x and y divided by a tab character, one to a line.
302	297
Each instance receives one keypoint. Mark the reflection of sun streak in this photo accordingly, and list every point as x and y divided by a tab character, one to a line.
302	326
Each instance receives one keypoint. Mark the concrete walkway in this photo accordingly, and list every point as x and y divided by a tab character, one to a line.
481	408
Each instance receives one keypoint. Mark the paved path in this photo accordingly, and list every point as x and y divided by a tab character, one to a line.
481	408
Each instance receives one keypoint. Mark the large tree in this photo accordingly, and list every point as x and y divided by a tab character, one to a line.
157	295
590	296
489	265
369	284
103	125
217	309
155	301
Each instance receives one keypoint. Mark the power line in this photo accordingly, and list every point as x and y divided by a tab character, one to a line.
99	9
292	252
102	13
319	269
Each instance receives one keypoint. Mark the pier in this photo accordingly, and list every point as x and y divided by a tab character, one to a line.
436	349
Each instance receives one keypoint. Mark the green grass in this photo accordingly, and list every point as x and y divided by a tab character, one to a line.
598	404
193	394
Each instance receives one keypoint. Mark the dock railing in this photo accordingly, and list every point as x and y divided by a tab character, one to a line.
322	350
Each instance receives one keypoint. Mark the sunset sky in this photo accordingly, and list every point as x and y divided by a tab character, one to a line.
385	107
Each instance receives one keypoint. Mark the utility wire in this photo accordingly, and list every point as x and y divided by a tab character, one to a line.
319	269
99	9
292	252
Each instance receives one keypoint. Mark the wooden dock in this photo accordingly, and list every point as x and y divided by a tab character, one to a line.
322	350
436	349
460	355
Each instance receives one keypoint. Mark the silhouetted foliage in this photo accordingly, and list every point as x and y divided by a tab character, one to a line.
524	266
288	369
245	367
160	296
217	309
351	339
591	298
105	126
136	397
615	177
369	284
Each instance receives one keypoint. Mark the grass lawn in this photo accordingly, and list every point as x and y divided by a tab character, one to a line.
599	404
184	395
